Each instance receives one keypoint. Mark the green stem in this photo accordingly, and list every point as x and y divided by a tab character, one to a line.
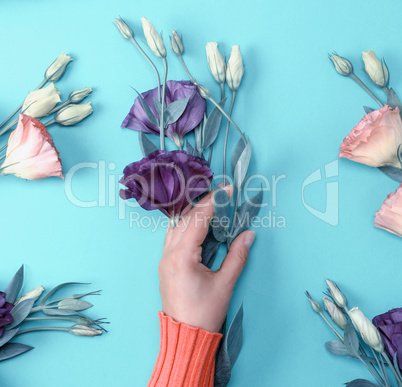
186	69
332	327
151	63
382	369
391	366
43	83
61	106
9	126
211	148
162	122
36	309
43	329
51	318
365	88
50	122
371	371
225	144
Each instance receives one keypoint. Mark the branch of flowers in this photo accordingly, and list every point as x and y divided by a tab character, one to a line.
372	372
162	122
78	320
150	62
211	148
225	144
382	367
43	83
365	88
391	366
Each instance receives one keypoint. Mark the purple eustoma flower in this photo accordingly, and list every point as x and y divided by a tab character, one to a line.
5	316
166	181
175	90
390	326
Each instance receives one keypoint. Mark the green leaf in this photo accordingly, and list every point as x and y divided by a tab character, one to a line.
55	289
361	383
392	172
74	304
220	221
237	153
7	336
147	109
174	111
9	350
15	285
393	100
367	109
158	106
210	248
337	348
242	166
211	128
61	312
20	312
351	340
147	146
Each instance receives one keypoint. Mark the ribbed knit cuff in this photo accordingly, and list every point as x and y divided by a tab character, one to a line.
186	355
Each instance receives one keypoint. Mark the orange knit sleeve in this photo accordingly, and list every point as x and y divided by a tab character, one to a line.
186	355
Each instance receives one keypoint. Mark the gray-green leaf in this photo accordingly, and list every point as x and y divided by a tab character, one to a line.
220	221
237	153
337	348
241	167
15	285
351	340
393	100
20	312
158	106
367	109
55	289
361	383
147	146
74	304
210	248
211	128
7	336
392	172
174	111
9	350
147	109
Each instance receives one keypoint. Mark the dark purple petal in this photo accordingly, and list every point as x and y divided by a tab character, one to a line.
166	181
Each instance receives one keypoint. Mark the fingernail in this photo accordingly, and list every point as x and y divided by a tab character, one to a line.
249	239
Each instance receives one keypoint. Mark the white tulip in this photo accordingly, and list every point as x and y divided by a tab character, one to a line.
377	70
235	69
176	43
342	65
78	95
368	331
124	29
336	314
216	62
57	68
32	295
39	103
154	40
72	114
336	294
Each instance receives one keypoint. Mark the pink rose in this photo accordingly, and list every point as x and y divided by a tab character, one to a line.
31	153
389	217
375	139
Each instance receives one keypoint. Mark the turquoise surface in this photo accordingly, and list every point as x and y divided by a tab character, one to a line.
296	110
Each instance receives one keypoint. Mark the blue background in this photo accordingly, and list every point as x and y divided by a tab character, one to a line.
296	110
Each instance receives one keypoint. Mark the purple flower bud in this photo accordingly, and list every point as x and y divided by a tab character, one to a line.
166	181
175	90
5	316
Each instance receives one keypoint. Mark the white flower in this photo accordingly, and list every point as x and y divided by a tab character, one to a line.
78	95
336	314
40	102
216	62
72	114
235	69
204	92
154	40
84	330
377	70
57	68
124	29
32	295
336	294
368	331
176	43
342	65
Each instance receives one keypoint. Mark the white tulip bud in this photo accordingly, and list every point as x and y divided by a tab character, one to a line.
84	330
32	295
72	114
336	294
342	65
124	29
216	62
79	95
235	69
39	103
154	40
336	314
176	43
368	331
377	70
57	68
314	304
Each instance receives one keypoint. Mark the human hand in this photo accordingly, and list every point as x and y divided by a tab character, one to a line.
191	293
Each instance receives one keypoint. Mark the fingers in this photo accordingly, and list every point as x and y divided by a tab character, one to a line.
195	223
236	258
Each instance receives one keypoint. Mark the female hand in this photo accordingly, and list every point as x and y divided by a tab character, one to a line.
191	293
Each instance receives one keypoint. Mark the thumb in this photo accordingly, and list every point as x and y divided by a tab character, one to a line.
237	256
